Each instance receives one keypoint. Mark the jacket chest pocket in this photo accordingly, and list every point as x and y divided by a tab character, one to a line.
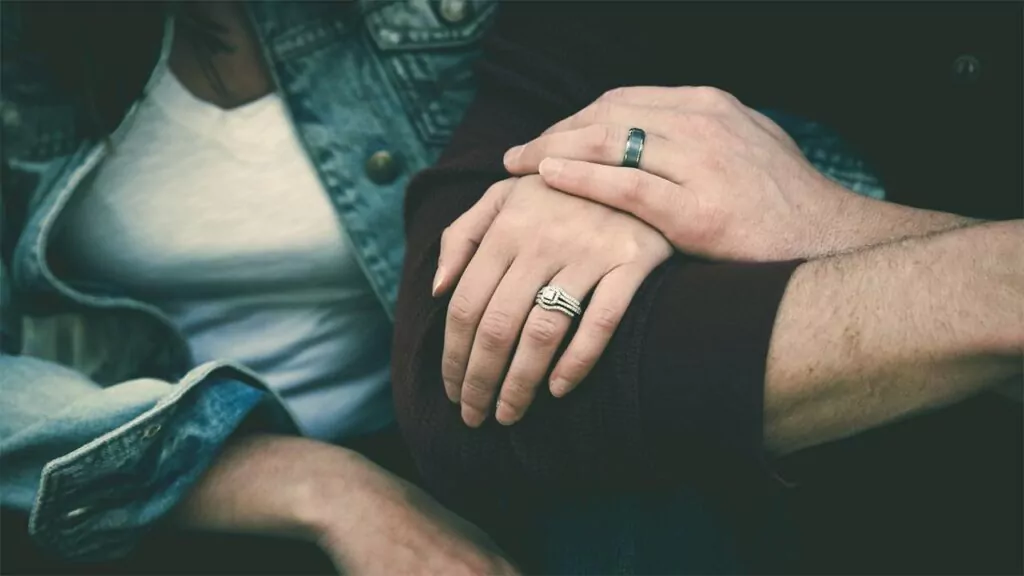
427	48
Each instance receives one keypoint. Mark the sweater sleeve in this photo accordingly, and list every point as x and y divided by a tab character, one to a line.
679	391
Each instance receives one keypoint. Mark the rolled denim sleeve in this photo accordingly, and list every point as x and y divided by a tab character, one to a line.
97	466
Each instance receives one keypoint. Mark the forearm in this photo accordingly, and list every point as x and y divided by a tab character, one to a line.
268	484
866	338
367	520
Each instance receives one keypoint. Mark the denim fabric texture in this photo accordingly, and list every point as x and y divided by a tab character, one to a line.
105	421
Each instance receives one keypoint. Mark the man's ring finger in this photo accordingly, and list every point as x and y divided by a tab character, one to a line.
634	148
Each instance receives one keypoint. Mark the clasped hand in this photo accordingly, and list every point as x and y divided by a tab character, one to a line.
716	179
520	236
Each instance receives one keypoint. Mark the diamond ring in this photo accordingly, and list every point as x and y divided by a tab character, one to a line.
552	297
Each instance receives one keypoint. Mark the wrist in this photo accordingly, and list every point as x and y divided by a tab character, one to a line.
275	485
324	498
828	226
339	499
848	221
996	251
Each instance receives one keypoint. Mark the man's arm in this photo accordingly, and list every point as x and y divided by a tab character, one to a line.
679	390
868	337
724	182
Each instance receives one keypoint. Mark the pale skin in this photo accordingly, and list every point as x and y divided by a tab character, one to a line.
366	519
873	328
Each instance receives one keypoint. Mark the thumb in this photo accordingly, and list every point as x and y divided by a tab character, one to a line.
460	240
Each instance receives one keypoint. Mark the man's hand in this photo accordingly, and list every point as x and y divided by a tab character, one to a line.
367	520
718	179
529	236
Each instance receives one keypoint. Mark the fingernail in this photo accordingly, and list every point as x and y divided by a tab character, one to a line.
504	414
453	397
550	167
471	416
513	154
559	387
438	279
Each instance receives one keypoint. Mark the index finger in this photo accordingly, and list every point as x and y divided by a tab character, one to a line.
465	309
651	97
460	240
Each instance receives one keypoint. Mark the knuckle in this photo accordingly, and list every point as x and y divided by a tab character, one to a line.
496	330
481	565
630	249
452	364
632	187
537	150
610	141
701	124
680	123
596	138
706	93
516	396
615	93
577	364
472	566
705	229
711	97
605	319
461	311
543	331
450	236
516	390
496	188
494	197
476	392
599	111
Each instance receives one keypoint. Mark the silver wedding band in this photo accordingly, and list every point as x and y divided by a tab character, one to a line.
634	148
552	297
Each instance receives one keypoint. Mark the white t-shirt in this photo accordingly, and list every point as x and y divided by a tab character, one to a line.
218	218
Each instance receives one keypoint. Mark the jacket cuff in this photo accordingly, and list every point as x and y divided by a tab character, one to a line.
97	502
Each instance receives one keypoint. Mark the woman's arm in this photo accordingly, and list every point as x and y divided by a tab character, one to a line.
367	520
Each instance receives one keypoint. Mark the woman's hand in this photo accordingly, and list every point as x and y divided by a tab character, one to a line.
520	237
716	178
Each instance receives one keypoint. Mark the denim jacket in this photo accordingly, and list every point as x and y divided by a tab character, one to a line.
105	422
